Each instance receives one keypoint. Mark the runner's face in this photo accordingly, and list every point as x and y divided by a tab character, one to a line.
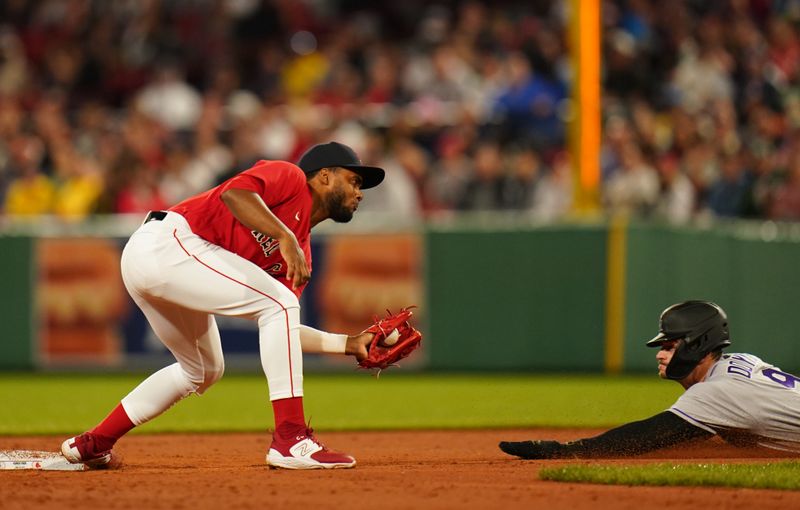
345	195
664	356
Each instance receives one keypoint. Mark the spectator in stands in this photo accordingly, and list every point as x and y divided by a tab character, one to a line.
169	99
398	198
727	196
554	192
30	191
484	191
525	170
633	188
700	163
676	201
452	170
134	187
786	201
703	71
411	160
528	107
693	79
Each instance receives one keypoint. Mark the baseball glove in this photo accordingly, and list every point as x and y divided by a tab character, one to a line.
393	339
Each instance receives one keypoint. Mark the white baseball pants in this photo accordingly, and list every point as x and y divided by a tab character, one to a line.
180	281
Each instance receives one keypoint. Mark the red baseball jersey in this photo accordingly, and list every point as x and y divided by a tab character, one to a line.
283	188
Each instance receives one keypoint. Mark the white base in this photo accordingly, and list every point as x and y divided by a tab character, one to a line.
39	460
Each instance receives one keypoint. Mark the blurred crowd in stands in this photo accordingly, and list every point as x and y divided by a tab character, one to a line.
125	106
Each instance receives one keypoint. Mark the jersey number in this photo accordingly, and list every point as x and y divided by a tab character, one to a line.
782	378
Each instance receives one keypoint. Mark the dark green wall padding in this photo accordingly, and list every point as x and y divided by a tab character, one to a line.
528	300
516	299
756	282
16	302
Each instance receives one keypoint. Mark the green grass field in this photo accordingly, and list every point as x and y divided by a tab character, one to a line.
771	475
63	404
58	404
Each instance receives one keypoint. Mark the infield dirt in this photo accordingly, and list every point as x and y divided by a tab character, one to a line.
402	469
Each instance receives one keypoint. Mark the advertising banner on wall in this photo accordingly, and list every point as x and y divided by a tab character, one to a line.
362	277
81	302
87	319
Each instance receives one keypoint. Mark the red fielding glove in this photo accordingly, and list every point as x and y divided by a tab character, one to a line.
394	338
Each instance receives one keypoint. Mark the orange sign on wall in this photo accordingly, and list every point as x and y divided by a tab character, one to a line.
81	300
367	274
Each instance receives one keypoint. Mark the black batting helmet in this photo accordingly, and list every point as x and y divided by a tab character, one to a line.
703	327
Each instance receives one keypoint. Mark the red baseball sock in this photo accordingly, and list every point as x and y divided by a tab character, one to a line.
289	417
113	427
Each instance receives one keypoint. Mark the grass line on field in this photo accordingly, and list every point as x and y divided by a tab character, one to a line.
55	404
770	475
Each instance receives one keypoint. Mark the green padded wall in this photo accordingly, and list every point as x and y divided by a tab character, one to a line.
516	299
757	282
16	302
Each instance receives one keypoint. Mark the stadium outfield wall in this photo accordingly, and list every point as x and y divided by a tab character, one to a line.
495	292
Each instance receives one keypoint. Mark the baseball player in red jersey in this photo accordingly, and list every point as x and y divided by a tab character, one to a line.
241	249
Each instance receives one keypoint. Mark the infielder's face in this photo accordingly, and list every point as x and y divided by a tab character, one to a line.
344	196
664	356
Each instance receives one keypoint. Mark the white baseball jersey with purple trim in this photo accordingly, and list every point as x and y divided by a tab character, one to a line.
747	402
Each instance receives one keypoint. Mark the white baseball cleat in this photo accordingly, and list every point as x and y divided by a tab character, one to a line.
305	452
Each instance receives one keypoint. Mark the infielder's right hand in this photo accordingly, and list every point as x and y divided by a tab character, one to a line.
296	266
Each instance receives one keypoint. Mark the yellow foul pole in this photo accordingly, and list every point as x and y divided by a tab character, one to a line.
584	128
584	146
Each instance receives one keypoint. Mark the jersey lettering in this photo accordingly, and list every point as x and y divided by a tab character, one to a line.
740	366
743	360
783	378
268	244
274	268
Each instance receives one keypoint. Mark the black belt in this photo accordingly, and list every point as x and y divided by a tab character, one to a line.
155	216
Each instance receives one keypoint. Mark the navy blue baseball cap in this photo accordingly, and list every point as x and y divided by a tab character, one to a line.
331	154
